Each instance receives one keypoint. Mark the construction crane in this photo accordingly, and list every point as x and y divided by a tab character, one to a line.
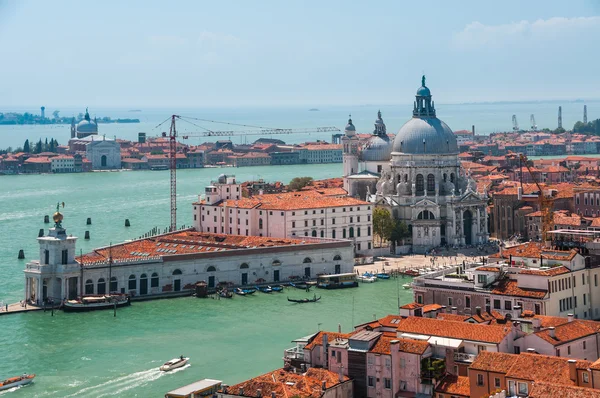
172	135
547	218
533	125
515	124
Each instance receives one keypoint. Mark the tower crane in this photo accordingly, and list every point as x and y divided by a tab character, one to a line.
545	202
533	125
172	135
515	124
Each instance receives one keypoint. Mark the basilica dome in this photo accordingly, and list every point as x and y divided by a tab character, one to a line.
377	149
425	133
87	125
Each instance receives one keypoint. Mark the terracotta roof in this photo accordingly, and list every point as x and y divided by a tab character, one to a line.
452	317
498	362
566	332
318	339
412	346
38	160
546	272
545	390
390	321
486	316
596	365
534	250
537	367
288	384
488	269
457	386
509	287
431	307
452	329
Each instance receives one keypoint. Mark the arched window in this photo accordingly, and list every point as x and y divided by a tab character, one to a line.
101	288
358	231
420	185
337	257
351	232
405	177
114	284
244	266
211	269
307	260
177	272
445	177
322	234
344	233
369	231
399	178
154	280
333	233
314	233
132	282
276	263
452	178
426	215
89	286
430	183
260	223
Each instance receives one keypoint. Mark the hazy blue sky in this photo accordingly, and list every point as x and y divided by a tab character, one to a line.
198	53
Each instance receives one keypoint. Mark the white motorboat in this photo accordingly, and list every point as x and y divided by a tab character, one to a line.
367	278
407	286
16	381
174	364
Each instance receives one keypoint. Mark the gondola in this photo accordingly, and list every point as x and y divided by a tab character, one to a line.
301	286
225	294
306	300
276	288
240	292
265	289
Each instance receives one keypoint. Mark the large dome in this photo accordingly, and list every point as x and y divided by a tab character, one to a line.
377	149
425	135
87	126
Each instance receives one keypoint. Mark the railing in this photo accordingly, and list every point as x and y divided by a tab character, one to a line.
464	357
294	353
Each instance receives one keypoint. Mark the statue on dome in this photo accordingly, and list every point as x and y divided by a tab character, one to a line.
423	81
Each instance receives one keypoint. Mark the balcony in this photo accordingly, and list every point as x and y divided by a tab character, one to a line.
294	353
464	357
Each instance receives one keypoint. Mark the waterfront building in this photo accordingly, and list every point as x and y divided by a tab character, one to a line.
419	179
318	213
249	159
62	164
37	164
104	153
173	263
84	128
319	152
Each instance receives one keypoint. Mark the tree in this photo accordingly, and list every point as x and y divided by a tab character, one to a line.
46	146
26	148
38	147
55	114
400	232
298	183
383	224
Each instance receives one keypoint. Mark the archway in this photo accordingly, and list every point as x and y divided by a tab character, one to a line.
177	280
468	226
101	289
143	284
103	161
89	287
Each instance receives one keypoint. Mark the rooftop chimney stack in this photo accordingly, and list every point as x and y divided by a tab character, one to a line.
323	385
572	369
570	317
478	311
454	311
552	332
273	394
259	393
339	328
536	323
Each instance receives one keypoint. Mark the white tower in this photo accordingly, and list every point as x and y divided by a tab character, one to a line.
350	143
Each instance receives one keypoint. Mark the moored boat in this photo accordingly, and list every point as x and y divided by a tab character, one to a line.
264	289
367	278
410	272
383	275
302	286
240	292
225	294
306	300
337	281
16	381
174	364
407	286
276	288
97	302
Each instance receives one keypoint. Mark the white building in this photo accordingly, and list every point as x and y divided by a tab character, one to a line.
175	262
319	153
322	213
104	153
418	177
62	164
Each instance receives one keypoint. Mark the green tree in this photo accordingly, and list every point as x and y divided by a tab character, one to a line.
26	148
383	224
46	146
298	183
399	232
38	147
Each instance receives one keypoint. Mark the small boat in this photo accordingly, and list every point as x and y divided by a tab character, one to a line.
16	381
410	272
302	286
225	294
306	300
174	364
276	288
367	277
240	292
265	289
96	302
407	286
383	275
249	291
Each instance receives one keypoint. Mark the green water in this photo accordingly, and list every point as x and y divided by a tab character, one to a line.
95	354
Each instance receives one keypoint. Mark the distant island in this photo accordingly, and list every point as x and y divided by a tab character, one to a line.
313	110
135	110
13	118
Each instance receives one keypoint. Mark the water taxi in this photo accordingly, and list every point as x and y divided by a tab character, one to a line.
174	364
16	381
337	281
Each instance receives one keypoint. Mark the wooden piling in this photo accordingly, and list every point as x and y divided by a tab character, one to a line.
41	233
87	235
46	219
127	224
21	254
89	221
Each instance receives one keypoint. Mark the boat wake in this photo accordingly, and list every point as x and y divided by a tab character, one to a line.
117	386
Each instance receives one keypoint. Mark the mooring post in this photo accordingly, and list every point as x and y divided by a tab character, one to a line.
46	219
89	221
21	254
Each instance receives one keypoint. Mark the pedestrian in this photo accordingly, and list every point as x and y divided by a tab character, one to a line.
6	307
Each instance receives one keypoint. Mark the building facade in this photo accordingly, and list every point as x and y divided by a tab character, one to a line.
104	153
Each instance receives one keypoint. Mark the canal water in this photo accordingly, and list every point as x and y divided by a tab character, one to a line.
96	354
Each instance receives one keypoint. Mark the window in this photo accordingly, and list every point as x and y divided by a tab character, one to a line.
430	183
479	379
596	280
537	309
482	279
507	305
568	350
523	390
65	256
584	299
306	223
132	282
388	362
497	304
420	298
333	220
467	302
89	287
583	279
387	383
558	352
154	280
371	381
402	362
260	223
450	301
584	345
333	233
420	185
586	377
332	353
370	360
496	382
293	224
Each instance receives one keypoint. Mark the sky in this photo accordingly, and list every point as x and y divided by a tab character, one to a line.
287	53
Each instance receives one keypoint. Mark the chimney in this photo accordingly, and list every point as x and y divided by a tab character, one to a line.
531	351
241	392
570	317
224	388
324	385
536	323
478	311
443	310
572	369
259	393
273	394
517	311
551	331
454	311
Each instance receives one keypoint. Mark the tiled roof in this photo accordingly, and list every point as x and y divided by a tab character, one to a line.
537	367
452	317
412	346
486	316
288	384
498	362
509	287
545	390
431	307
488	269
318	339
566	332
452	329
546	272
456	386
596	365
535	250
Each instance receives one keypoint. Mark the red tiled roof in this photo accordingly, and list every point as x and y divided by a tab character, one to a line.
509	287
566	332
452	329
498	362
537	367
546	272
456	386
488	269
534	250
545	390
318	339
452	317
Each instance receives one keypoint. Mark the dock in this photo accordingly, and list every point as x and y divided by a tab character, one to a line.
16	308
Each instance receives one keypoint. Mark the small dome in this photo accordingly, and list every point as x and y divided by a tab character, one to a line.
425	136
423	92
222	179
350	130
377	149
57	217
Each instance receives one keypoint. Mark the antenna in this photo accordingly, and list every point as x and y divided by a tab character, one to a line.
560	117
585	114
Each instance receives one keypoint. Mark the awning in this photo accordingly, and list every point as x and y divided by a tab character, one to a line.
445	341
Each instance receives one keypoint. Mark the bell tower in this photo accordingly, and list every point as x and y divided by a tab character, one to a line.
350	143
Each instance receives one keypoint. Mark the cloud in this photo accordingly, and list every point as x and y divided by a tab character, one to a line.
217	40
167	40
525	33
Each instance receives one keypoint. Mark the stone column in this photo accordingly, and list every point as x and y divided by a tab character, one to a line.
462	228
453	234
485	226
477	231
